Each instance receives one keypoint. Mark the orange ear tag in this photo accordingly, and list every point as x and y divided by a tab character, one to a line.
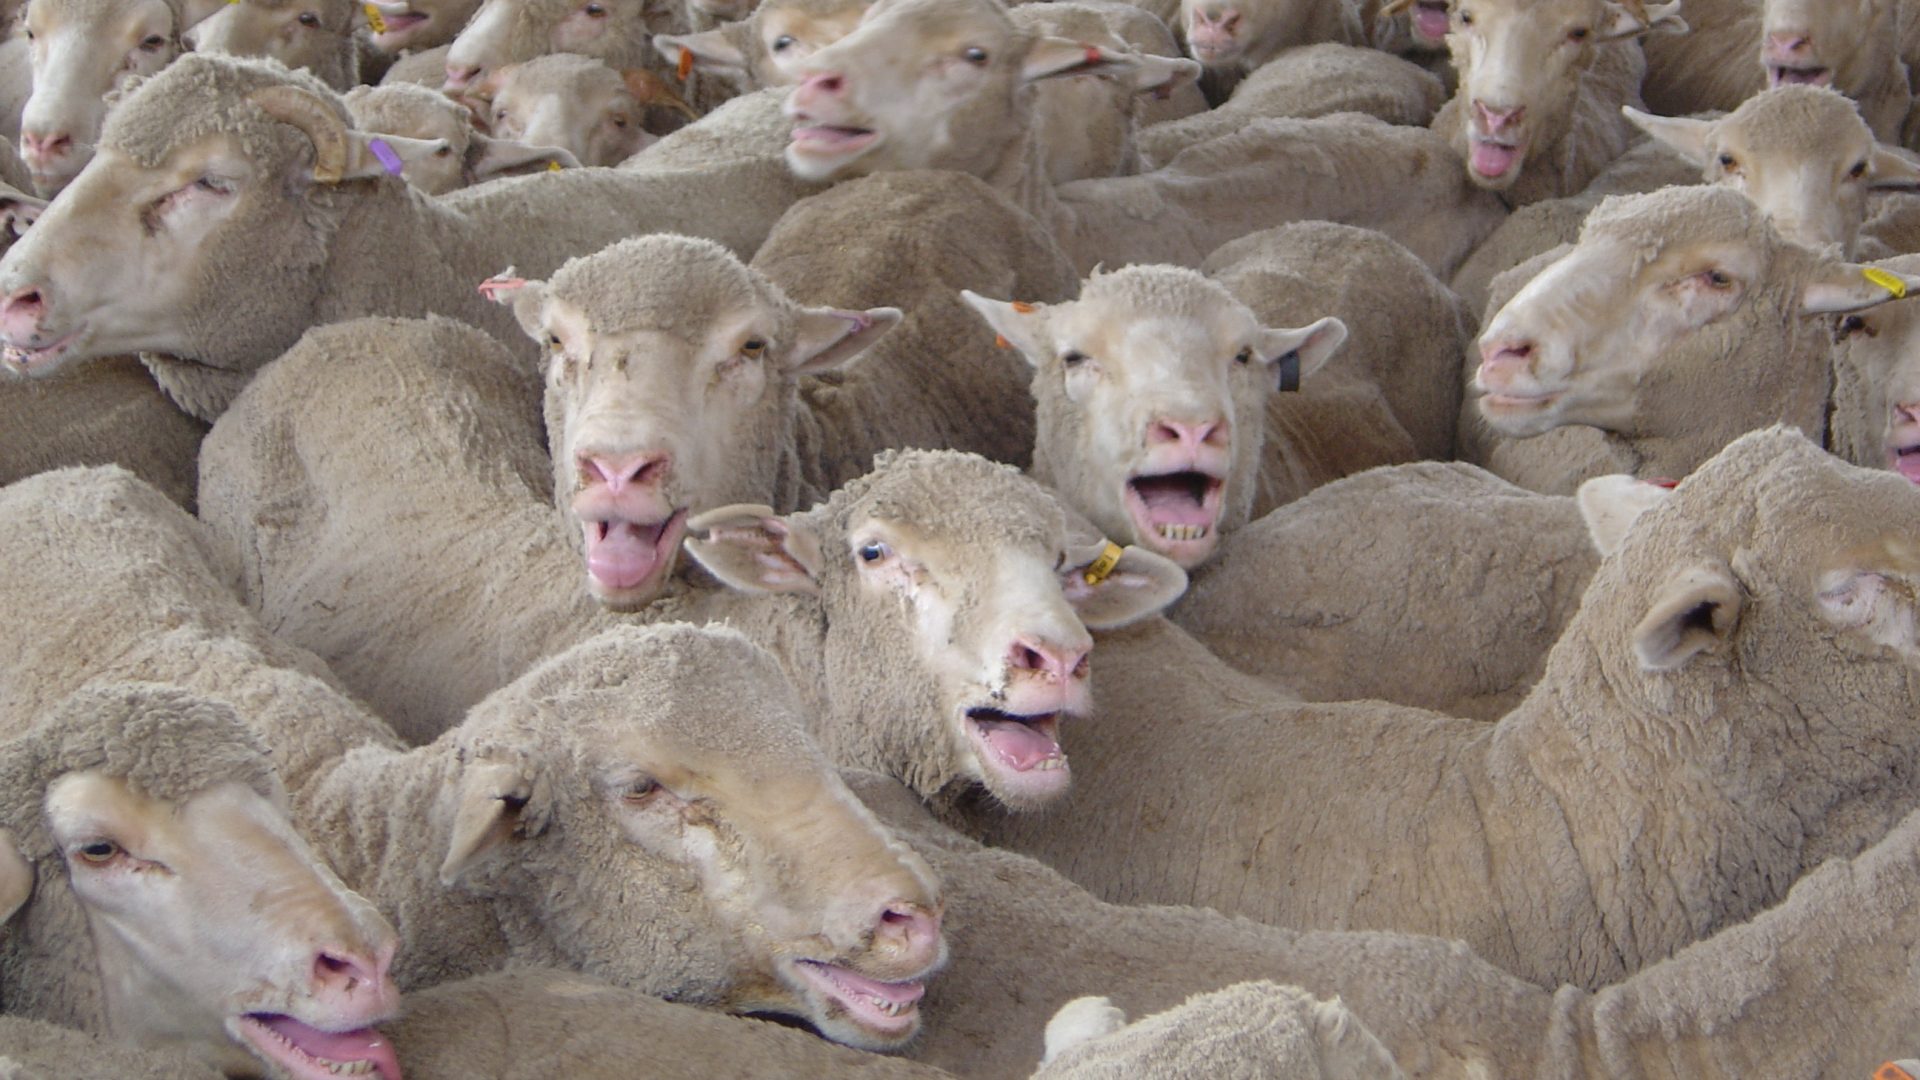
1021	306
1891	1071
1000	342
686	63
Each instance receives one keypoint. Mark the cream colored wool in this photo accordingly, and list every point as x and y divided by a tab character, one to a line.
332	252
1309	81
471	157
1613	817
107	413
1872	371
36	1050
1765	362
1435	584
506	32
330	49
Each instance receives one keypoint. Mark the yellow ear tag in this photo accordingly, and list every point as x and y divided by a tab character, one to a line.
1890	282
553	166
1098	570
374	20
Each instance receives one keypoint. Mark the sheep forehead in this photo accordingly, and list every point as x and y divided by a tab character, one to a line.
961	502
942	21
202	95
1545	10
1067	19
806	13
406	109
672	284
561	73
1798	120
1162	295
91	12
1678	218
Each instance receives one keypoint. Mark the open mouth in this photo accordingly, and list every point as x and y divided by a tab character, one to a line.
888	1009
1430	19
831	140
1176	508
1518	402
1790	75
624	555
1024	744
1493	158
1906	462
311	1054
398	25
23	360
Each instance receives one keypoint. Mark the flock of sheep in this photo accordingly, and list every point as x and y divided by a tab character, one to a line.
543	535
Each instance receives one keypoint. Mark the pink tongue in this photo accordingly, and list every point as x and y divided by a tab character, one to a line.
892	993
1172	503
625	556
1492	159
1908	465
1430	21
365	1044
1020	745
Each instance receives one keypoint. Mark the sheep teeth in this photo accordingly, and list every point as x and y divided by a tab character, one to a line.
1051	764
891	1008
1183	532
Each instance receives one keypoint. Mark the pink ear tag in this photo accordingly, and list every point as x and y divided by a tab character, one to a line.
389	160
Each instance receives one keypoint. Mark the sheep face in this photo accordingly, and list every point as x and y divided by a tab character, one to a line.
217	925
583	107
1151	393
1520	63
1880	349
1644	320
957	610
932	84
1243	34
1801	153
768	47
510	31
1839	43
671	389
462	157
317	35
713	855
80	52
417	25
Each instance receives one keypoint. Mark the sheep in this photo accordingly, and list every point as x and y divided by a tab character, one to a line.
1305	82
1415	29
765	48
1875	396
1537	111
1801	152
265	261
410	28
1151	373
34	1050
1718	308
468	158
108	413
860	110
320	36
243	950
1234	38
1249	1029
79	52
601	116
1772	556
1739	47
616	32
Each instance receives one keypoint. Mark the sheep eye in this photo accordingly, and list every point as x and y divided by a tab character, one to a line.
872	552
553	342
1728	161
975	55
1466	17
1851	325
308	18
640	791
151	44
1718	279
780	43
1859	170
1245	356
1578	33
620	122
97	852
1073	358
595	11
29	35
753	349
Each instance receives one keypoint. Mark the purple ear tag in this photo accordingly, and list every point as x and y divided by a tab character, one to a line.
389	160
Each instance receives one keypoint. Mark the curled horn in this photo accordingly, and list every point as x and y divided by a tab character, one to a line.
307	111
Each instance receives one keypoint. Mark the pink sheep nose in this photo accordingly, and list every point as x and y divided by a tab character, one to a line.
630	470
830	84
1785	45
1192	435
1907	412
909	929
41	147
20	314
360	982
459	76
1494	121
1055	663
1504	359
1218	19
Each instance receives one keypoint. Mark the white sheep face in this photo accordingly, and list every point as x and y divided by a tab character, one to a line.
1843	44
506	32
1244	34
81	52
417	25
313	34
1882	348
217	927
588	110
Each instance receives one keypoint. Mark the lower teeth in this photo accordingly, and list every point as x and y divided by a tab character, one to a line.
1183	532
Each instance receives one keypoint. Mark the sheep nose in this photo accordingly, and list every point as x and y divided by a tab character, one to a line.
460	76
1054	662
360	982
1493	121
1787	44
618	472
831	84
1502	360
1191	434
909	930
1907	412
20	314
43	147
1223	19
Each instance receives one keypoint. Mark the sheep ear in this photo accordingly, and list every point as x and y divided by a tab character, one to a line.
1889	169
1681	134
1017	324
712	51
1057	57
370	156
16	877
524	295
1695	612
1081	1021
498	801
1111	586
1611	504
1622	19
488	157
1837	288
833	337
1295	354
1162	75
750	548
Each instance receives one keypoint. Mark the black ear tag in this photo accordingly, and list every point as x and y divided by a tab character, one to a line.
1289	369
